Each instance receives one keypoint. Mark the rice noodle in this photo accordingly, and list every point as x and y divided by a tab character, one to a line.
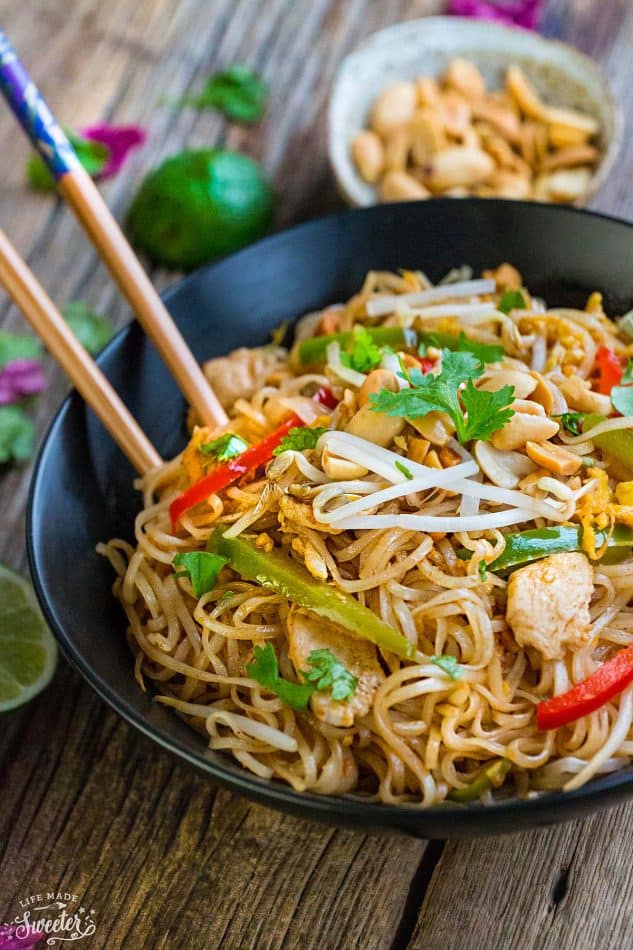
412	535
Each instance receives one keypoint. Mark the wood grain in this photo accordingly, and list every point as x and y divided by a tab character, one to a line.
89	805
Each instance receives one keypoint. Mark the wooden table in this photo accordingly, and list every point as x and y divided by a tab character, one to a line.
89	805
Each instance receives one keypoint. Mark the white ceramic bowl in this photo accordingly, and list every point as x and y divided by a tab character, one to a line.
562	76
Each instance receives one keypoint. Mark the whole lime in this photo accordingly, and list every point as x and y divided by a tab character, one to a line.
199	205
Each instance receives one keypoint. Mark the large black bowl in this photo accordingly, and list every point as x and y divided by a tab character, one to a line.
82	489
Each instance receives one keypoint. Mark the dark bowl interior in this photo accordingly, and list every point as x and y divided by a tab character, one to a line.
82	488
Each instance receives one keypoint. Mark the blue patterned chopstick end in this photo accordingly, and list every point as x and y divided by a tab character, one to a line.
33	114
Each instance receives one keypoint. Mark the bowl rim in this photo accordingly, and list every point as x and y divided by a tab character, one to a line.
349	182
499	817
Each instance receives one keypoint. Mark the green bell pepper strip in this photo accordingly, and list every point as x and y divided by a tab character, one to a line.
527	546
314	350
279	572
492	775
618	444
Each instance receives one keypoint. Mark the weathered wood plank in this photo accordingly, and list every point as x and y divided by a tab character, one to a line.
88	804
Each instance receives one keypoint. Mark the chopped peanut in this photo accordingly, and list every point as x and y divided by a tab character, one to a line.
553	457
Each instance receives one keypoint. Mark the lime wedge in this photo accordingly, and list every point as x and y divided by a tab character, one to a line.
28	652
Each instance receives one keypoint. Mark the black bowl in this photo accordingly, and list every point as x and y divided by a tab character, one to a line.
82	488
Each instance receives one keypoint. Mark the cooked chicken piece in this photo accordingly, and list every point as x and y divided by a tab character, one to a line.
293	514
548	604
307	632
242	372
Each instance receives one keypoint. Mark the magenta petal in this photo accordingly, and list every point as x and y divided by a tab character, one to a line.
119	139
523	13
19	379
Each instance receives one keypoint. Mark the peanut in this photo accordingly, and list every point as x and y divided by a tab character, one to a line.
399	186
458	166
368	155
465	78
393	107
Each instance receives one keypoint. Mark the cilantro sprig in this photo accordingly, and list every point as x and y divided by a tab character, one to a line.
571	422
449	665
329	673
299	439
363	355
238	92
224	448
201	567
483	412
326	673
512	300
485	352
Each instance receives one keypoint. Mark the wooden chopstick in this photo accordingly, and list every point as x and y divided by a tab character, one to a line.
44	317
79	191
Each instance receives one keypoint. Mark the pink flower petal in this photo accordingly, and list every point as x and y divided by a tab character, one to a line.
19	379
119	139
523	13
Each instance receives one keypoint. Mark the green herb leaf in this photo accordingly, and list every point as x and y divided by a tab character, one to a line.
265	669
622	399
485	352
483	573
571	422
512	300
238	92
17	347
363	355
201	567
487	412
403	468
450	666
299	439
17	435
91	329
627	375
94	156
329	673
226	447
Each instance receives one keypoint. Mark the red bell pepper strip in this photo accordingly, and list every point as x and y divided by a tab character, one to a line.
609	370
590	694
224	475
326	397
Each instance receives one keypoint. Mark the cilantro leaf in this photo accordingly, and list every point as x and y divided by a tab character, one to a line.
622	399
449	665
512	300
403	468
238	92
363	355
329	673
94	156
14	346
571	422
485	352
487	412
299	439
91	329
227	446
201	567
483	574
265	669
17	435
627	375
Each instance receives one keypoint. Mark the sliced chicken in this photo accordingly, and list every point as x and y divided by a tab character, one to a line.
548	604
242	372
307	632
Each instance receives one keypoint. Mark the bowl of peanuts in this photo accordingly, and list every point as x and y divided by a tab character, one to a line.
452	107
